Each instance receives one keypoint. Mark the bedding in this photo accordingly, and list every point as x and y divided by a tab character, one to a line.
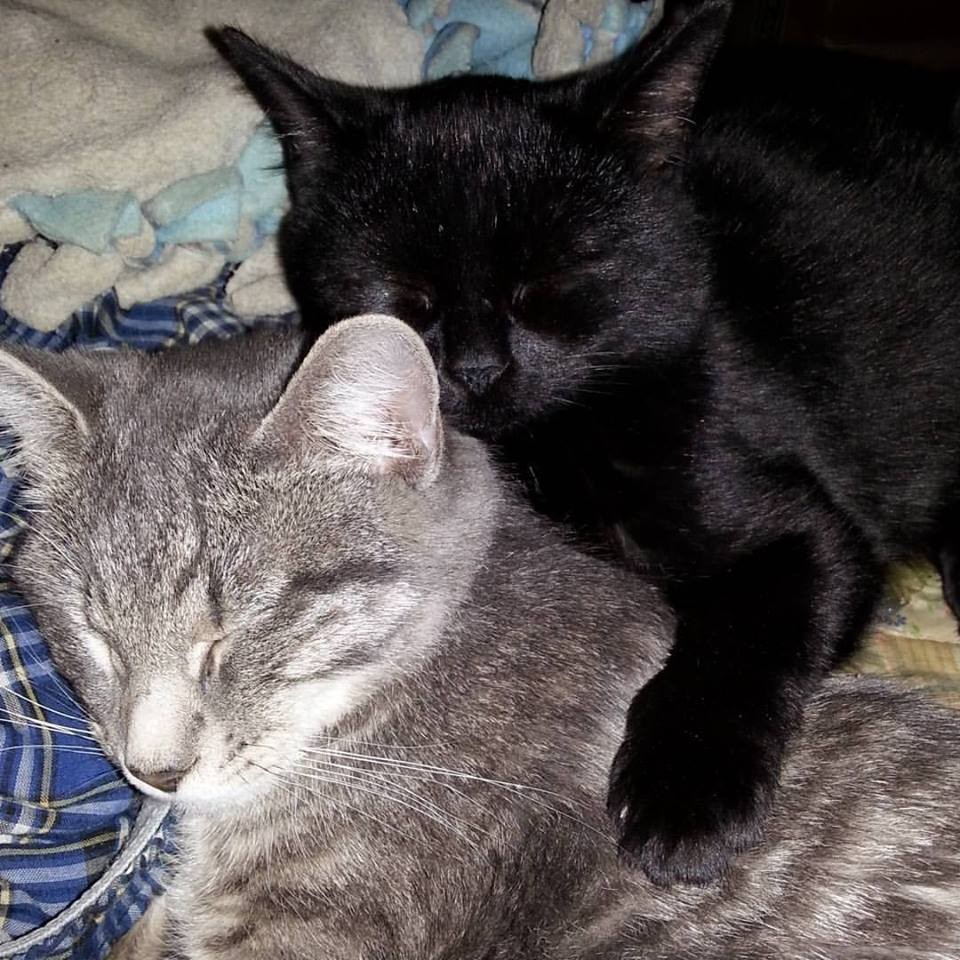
129	145
914	636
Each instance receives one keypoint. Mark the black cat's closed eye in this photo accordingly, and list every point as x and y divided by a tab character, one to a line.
415	305
533	304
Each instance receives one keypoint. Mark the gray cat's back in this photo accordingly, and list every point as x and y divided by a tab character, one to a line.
861	859
862	852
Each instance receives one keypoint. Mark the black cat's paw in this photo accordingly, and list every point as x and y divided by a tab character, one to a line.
687	798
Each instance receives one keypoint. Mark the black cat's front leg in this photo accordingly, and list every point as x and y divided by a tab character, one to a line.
705	738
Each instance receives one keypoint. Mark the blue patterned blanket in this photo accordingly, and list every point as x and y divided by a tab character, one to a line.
81	854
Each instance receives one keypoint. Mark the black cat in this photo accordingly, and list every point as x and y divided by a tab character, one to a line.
719	332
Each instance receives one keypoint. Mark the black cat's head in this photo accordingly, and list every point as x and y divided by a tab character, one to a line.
535	234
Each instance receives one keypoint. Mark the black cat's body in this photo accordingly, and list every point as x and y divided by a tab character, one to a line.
831	339
719	333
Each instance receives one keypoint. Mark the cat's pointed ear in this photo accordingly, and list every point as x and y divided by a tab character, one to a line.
649	93
306	110
367	392
49	403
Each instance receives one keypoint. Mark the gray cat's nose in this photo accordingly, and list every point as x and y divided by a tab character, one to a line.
478	378
167	780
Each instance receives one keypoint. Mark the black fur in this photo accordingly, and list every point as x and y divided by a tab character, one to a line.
719	333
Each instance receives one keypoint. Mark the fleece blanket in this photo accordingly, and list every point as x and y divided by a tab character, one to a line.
133	160
128	143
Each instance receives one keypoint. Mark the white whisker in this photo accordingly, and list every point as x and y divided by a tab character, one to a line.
355	777
43	707
338	802
417	802
89	751
47	725
535	795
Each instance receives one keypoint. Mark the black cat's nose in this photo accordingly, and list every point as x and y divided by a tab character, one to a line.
478	378
166	780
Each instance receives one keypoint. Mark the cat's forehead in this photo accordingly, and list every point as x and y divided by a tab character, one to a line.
453	175
159	551
137	522
160	498
505	125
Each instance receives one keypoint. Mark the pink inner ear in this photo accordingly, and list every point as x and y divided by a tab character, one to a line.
412	409
416	406
368	393
428	437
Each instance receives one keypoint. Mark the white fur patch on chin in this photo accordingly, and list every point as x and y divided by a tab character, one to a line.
213	793
219	784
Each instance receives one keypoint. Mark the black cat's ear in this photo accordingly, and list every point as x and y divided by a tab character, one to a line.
648	94
366	393
307	111
48	405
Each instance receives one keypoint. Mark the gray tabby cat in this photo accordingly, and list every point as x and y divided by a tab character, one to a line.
379	689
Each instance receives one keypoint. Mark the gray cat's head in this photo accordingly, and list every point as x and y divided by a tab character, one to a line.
228	560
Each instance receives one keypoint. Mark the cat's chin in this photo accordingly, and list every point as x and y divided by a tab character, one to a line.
494	418
221	799
215	792
489	422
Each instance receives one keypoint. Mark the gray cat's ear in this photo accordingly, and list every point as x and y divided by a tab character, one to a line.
307	111
368	393
48	401
649	93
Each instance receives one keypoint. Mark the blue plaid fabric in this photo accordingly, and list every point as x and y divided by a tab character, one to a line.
102	324
80	853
